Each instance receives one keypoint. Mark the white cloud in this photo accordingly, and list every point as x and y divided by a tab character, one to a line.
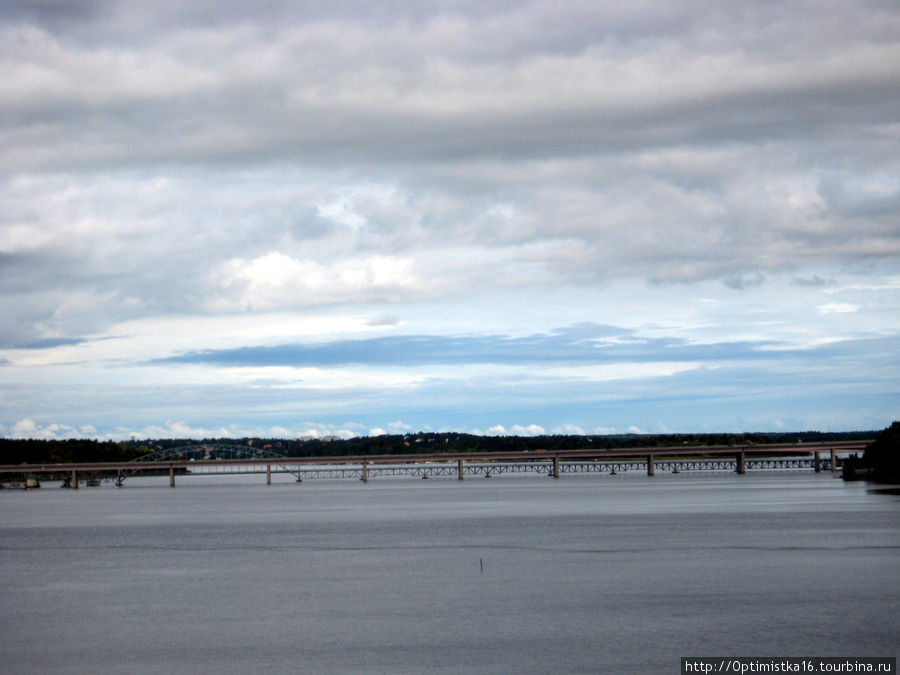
515	430
322	379
838	308
569	430
529	430
275	281
619	371
29	429
24	426
399	427
306	430
181	429
342	212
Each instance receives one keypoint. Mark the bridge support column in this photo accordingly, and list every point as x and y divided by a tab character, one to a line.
365	472
459	468
833	460
268	474
171	476
741	463
651	467
817	461
73	483
556	467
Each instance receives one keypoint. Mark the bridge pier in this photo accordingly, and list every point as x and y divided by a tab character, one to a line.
268	474
365	472
741	463
817	461
459	468
556	467
73	483
651	465
171	476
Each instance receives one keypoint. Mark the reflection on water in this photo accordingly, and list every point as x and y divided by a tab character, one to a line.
581	574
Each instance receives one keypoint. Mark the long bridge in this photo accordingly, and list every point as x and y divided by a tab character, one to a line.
209	459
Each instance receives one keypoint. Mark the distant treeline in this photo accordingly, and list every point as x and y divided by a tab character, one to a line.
16	451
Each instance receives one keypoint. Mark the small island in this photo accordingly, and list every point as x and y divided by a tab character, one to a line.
880	461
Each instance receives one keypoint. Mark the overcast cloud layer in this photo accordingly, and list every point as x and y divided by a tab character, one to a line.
295	218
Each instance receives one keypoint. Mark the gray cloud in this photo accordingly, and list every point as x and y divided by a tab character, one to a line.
50	343
745	281
524	82
815	281
155	155
583	344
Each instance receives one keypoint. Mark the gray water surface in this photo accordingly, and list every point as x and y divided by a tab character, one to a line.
514	574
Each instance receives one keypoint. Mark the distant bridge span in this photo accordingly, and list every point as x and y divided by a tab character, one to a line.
217	458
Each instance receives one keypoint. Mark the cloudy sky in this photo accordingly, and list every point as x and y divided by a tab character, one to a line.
354	217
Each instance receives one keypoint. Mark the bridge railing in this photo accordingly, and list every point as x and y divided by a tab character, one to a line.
207	458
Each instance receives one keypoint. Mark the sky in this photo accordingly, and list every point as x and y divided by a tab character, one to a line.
351	218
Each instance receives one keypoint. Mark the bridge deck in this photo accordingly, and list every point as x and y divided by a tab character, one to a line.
740	458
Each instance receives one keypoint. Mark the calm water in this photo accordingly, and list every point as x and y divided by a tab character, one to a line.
513	574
